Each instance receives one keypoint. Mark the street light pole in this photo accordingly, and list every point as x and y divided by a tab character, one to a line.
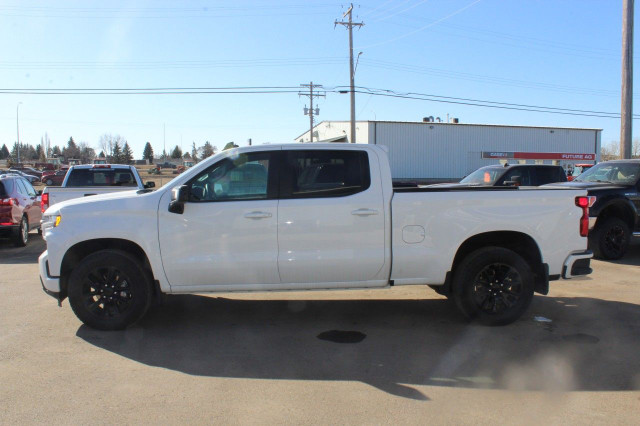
18	128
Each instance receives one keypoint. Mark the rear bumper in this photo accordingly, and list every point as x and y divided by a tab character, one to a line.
577	264
51	285
8	230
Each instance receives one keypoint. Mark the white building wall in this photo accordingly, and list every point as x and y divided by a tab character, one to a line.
442	151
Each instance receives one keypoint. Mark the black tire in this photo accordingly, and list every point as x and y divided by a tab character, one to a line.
493	285
39	231
109	290
610	239
49	182
21	237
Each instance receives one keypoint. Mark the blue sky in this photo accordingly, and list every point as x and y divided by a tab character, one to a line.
554	53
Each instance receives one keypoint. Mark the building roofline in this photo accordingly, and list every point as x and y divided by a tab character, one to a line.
452	124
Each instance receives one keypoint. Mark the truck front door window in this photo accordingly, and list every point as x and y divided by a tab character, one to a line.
244	177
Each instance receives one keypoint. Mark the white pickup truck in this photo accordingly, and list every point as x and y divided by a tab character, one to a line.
310	217
86	180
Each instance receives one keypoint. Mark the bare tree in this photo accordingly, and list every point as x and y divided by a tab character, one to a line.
610	151
108	141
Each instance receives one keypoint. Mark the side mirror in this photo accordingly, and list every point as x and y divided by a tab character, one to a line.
179	196
150	184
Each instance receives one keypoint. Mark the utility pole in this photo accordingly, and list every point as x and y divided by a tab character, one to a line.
350	24
310	111
626	114
18	129
164	142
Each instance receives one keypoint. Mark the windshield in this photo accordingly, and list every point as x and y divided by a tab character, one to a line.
620	173
484	176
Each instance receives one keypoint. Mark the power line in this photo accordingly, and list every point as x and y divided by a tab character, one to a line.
421	98
483	101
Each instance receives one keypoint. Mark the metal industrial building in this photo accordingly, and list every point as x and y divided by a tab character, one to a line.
429	151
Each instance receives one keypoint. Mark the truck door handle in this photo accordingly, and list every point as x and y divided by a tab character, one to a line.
364	212
257	215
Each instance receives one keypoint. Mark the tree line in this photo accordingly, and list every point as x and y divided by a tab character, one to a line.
113	148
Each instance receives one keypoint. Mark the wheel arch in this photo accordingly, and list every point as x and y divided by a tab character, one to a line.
74	255
522	244
621	209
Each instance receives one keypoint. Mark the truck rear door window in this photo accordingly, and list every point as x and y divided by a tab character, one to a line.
101	177
324	173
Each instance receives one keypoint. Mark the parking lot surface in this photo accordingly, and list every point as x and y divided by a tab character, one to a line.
402	356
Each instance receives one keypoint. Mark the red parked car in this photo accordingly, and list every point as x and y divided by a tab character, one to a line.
55	178
19	209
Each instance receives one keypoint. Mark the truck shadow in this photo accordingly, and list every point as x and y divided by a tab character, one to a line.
589	345
632	257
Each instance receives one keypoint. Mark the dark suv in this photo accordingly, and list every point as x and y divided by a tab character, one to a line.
19	209
516	175
615	216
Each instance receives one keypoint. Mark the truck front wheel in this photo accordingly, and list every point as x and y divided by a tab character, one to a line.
610	239
109	290
493	285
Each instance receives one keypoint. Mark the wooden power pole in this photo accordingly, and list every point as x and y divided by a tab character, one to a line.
311	112
626	115
350	24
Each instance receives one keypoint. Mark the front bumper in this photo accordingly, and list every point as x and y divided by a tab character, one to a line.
51	285
577	264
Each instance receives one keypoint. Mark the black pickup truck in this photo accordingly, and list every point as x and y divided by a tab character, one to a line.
614	218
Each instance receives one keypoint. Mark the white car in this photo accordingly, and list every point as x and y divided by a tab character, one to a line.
303	217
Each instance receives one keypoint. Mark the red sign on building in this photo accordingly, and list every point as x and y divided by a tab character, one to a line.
539	155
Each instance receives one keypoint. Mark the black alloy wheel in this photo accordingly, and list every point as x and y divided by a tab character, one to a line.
496	288
493	285
610	239
106	292
109	290
615	240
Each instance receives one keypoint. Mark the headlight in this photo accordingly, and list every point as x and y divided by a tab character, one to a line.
50	221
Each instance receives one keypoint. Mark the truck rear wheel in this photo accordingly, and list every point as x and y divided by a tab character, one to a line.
493	285
109	290
610	239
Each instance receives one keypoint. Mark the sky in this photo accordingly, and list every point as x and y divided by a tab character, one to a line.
559	54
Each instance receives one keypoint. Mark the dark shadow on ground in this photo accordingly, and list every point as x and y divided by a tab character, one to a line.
10	254
589	345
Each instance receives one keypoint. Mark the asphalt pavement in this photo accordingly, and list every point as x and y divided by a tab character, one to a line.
401	356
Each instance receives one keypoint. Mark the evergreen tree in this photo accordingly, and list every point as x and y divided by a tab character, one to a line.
127	154
207	150
194	152
116	155
229	146
176	153
147	154
101	154
4	152
56	151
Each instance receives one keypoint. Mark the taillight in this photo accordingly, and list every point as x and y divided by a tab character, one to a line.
8	202
44	202
584	203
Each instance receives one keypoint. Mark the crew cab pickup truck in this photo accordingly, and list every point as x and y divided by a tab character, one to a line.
86	180
615	215
310	217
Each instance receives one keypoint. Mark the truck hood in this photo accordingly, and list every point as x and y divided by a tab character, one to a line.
106	199
586	185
